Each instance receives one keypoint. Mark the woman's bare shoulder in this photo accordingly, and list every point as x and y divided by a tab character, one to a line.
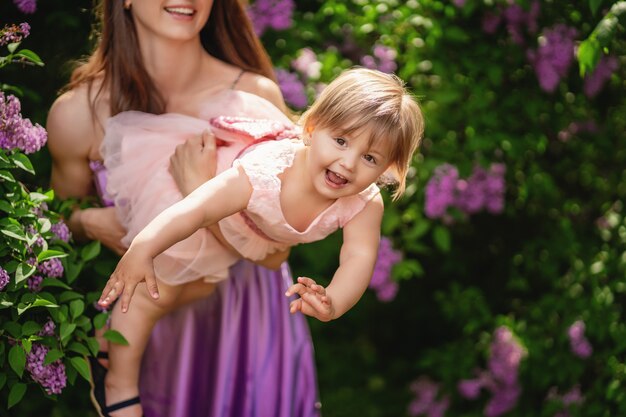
262	87
71	121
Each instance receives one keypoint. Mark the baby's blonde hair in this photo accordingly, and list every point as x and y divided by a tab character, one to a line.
361	98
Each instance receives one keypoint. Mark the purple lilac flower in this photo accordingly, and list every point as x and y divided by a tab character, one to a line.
14	33
594	82
483	190
571	397
48	328
34	283
579	344
500	378
39	241
554	56
275	14
516	20
381	282
459	3
61	231
16	132
292	88
52	376
100	308
425	401
307	64
383	58
26	6
4	278
440	190
52	268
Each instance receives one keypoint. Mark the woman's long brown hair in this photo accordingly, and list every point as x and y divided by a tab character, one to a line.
116	60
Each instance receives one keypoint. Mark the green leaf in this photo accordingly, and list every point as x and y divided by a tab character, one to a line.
23	162
114	336
68	296
72	270
76	308
100	320
594	5
15	232
16	394
6	176
31	56
40	302
53	355
17	359
13	328
44	224
3	380
80	364
78	348
588	56
30	327
13	46
27	345
49	254
53	282
94	346
24	271
90	251
38	197
66	330
6	206
441	235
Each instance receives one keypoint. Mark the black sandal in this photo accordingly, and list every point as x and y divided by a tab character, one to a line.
98	397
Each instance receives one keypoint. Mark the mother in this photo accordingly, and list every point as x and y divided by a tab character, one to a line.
238	352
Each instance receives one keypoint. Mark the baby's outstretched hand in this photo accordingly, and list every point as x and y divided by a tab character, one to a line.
313	300
130	271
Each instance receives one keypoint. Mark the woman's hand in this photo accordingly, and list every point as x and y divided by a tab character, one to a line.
194	162
102	224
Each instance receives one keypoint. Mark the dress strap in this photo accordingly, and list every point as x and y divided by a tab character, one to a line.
234	84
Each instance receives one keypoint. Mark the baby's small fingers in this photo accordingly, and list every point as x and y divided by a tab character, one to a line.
126	296
315	302
109	293
308	282
295	305
295	289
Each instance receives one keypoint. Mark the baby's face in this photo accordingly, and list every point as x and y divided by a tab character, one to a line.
345	165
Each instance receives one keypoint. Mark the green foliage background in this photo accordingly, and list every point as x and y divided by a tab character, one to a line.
557	254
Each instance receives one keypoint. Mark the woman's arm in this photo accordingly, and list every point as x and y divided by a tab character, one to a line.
224	195
71	136
359	251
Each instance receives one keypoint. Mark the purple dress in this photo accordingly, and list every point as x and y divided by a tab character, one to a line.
236	353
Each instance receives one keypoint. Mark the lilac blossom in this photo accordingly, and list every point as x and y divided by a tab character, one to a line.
14	33
483	190
383	58
26	6
52	376
516	20
275	14
459	3
501	376
52	268
34	283
307	64
573	397
554	56
4	278
579	344
425	401
61	231
16	132
594	82
48	328
440	190
381	282
292	88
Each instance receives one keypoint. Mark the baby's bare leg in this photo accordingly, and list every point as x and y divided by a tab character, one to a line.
122	380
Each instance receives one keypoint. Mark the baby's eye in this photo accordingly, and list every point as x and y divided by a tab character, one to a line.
370	159
340	141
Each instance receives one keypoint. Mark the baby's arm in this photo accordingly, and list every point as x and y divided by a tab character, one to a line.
361	237
226	194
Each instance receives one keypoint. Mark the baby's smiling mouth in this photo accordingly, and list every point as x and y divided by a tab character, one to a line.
335	178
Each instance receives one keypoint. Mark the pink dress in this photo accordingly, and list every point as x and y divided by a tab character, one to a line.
136	149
